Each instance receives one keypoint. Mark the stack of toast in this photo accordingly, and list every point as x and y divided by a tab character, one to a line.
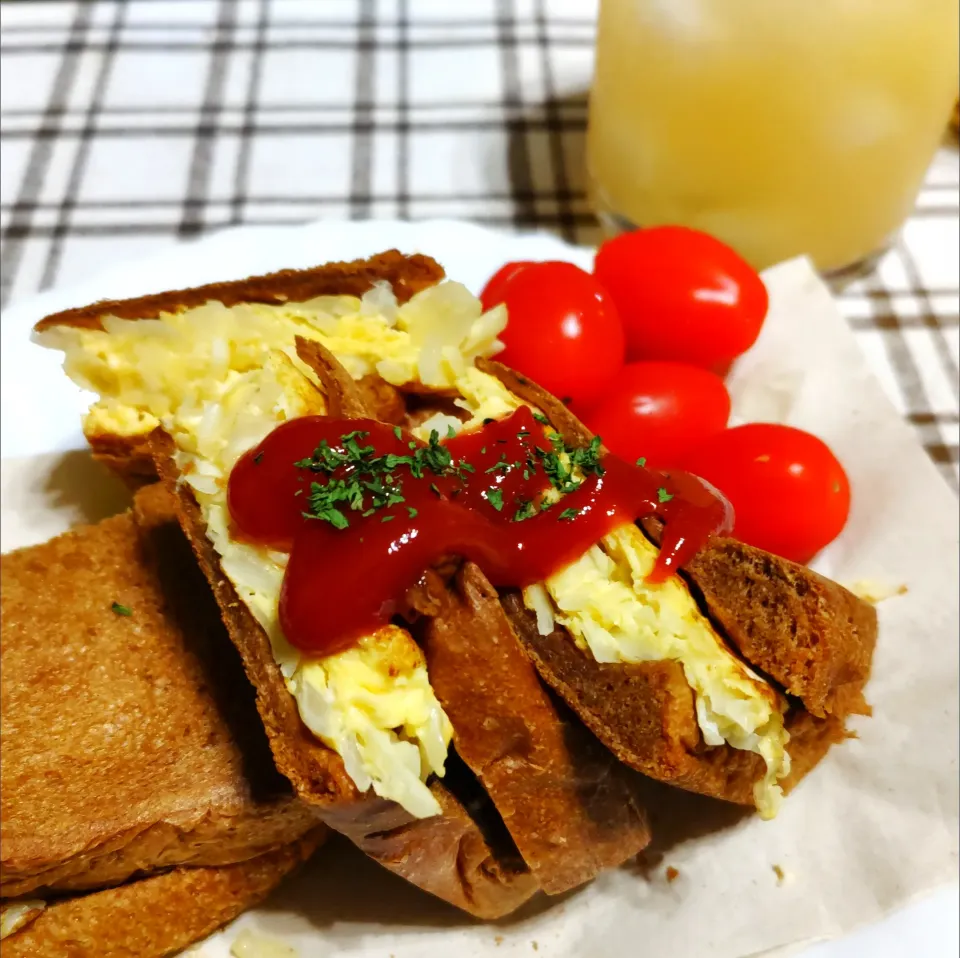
141	805
161	772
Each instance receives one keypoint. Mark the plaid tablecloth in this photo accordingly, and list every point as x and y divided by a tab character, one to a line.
130	125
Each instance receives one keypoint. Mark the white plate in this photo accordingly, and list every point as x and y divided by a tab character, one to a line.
31	380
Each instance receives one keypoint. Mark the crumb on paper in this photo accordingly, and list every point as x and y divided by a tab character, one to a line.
498	939
782	875
253	944
534	946
647	863
672	874
874	591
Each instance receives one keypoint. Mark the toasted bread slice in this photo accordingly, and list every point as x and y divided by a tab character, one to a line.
571	808
158	915
129	735
812	637
645	714
131	457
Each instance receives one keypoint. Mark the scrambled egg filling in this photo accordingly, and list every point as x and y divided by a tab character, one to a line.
612	612
219	380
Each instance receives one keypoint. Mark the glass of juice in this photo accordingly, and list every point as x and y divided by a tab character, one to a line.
780	126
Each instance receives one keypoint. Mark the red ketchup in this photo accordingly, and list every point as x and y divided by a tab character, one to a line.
364	509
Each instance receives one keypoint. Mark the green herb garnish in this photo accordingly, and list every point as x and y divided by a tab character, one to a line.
501	465
525	510
368	482
569	514
642	461
119	609
495	498
540	418
663	495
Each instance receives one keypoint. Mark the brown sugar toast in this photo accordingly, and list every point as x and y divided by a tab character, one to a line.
810	636
130	741
645	714
157	915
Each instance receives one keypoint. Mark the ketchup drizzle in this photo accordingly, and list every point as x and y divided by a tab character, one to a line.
343	583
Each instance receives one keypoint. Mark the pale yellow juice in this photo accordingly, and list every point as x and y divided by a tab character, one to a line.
780	126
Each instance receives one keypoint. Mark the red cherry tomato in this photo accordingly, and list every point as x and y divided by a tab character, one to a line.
492	294
789	492
659	410
683	295
563	331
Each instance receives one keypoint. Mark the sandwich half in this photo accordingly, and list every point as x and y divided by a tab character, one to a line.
129	736
361	735
732	678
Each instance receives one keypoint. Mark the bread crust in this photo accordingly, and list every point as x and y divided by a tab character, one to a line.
159	915
569	805
407	275
155	703
464	855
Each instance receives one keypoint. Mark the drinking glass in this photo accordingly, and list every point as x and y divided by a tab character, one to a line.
780	126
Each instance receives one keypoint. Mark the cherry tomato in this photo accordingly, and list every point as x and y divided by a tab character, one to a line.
492	294
683	295
659	410
789	492
563	331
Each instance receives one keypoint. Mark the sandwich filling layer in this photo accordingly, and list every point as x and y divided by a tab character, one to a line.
220	379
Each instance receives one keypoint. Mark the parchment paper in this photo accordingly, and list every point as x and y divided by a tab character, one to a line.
872	828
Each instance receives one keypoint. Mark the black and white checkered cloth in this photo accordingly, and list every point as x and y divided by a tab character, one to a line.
128	125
